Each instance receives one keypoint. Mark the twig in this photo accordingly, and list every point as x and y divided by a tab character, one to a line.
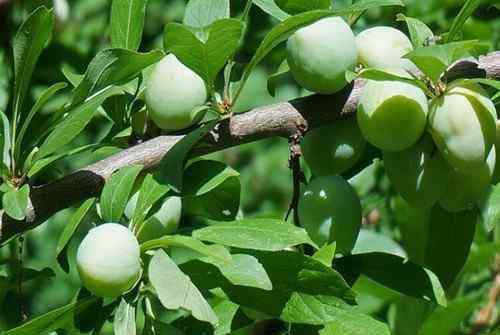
297	175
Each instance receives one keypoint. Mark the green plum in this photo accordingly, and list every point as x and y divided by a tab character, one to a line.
108	260
419	173
333	149
465	189
173	93
392	115
384	47
319	55
463	125
330	210
164	222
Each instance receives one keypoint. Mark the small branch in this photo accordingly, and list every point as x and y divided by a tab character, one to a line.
278	120
297	174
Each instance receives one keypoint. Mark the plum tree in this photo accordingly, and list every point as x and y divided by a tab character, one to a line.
173	92
392	115
330	210
384	47
464	189
419	173
108	260
164	222
319	55
333	149
463	125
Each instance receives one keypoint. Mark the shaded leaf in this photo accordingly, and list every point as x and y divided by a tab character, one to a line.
15	202
270	7
467	9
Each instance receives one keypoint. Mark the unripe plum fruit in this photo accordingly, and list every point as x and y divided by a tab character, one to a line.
419	173
465	189
384	47
173	92
319	55
334	148
463	125
330	210
164	222
392	115
108	260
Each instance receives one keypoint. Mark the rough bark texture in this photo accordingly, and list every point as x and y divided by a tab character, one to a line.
282	119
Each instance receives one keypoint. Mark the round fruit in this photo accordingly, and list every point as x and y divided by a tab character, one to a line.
164	222
319	55
418	173
464	189
173	92
330	210
333	149
463	125
108	260
384	47
392	115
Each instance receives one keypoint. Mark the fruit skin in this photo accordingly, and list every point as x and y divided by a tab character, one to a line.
173	92
384	47
464	189
164	222
319	55
108	260
333	149
463	125
330	210
419	173
392	115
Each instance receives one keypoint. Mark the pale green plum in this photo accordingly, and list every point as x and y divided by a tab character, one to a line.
392	115
164	222
108	260
330	210
333	148
319	55
463	125
464	189
384	47
419	173
173	93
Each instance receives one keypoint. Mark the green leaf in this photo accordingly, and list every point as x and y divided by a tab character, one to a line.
205	58
171	166
396	273
281	75
490	208
54	319
326	254
255	234
15	202
202	13
270	7
116	192
215	252
447	320
69	231
225	311
420	34
481	257
72	125
151	191
488	82
212	190
370	241
467	10
381	75
175	290
127	23
285	29
40	102
28	43
5	139
298	6
124	322
113	67
434	60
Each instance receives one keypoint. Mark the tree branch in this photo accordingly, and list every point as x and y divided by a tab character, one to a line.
278	120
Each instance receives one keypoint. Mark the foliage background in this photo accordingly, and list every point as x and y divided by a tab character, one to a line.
81	31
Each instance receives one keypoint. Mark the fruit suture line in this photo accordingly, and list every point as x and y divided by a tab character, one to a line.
278	120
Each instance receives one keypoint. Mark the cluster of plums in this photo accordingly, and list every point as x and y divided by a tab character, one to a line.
438	151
